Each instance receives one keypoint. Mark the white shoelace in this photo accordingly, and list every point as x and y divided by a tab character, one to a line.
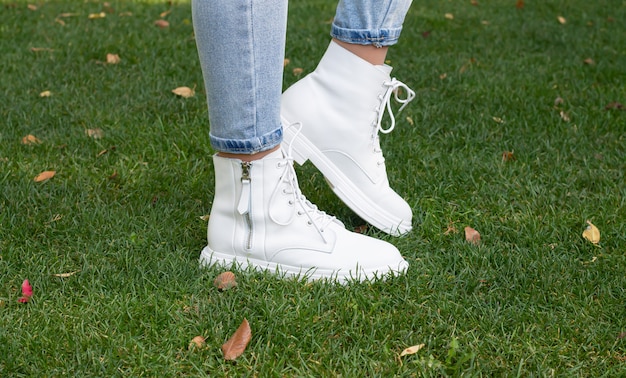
316	218
392	91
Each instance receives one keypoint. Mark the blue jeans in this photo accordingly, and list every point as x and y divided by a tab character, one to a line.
241	45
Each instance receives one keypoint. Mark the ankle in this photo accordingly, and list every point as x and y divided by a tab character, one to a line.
370	53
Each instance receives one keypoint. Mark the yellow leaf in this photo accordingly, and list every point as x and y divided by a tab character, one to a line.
184	92
592	233
113	59
164	14
45	175
449	16
562	20
65	275
45	94
30	139
94	133
94	16
412	350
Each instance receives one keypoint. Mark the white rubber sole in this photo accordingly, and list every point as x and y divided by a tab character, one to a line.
342	186
208	257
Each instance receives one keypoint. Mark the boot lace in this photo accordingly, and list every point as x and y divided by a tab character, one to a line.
392	90
289	186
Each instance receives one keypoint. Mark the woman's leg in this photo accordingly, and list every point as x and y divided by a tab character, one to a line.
344	100
259	216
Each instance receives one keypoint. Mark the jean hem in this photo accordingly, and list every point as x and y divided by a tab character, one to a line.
378	38
247	146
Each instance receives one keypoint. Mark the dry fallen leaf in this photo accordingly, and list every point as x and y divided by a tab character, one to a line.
45	175
589	62
561	20
614	105
508	156
297	71
197	342
162	24
32	7
66	275
94	16
286	62
412	350
225	281
472	235
40	49
113	59
45	94
30	139
519	4
236	345
592	233
184	92
94	133
558	101
564	116
449	16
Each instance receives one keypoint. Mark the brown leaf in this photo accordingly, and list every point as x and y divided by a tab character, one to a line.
32	7
45	175
561	20
113	59
30	139
162	24
164	14
519	4
197	342
508	156
184	92
564	116
614	105
225	281
472	235
236	345
297	71
589	62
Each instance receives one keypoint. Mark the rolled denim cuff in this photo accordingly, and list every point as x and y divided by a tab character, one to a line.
378	38
248	146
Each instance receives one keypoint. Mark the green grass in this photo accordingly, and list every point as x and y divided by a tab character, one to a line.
534	299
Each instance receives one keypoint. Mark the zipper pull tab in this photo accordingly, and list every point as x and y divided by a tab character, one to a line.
244	201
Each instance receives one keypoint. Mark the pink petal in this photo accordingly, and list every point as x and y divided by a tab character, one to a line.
27	290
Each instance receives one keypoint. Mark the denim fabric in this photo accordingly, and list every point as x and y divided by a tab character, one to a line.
241	45
369	22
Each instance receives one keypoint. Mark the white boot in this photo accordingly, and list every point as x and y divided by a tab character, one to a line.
340	106
261	219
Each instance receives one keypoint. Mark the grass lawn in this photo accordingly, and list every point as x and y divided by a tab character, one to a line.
516	131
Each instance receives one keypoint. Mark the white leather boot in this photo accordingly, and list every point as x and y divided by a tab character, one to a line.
340	106
260	218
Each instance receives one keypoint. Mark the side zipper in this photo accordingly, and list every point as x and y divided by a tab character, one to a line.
245	200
